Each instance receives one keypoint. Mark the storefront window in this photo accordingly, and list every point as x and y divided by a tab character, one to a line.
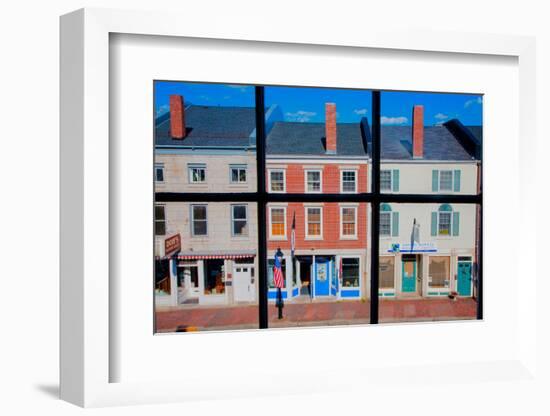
386	267
350	272
162	277
270	264
214	277
439	271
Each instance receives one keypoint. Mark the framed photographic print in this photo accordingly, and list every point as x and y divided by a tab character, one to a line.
241	220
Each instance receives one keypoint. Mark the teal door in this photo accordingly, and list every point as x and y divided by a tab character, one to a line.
464	279
408	283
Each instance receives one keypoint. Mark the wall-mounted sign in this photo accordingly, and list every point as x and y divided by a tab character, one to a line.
172	245
412	248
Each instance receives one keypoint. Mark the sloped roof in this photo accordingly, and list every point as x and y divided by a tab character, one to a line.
210	126
439	144
233	126
294	138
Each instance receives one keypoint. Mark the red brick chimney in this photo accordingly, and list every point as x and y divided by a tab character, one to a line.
177	117
330	127
418	132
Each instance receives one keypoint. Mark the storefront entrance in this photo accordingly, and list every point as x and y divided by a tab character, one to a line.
188	282
409	273
464	278
322	277
305	275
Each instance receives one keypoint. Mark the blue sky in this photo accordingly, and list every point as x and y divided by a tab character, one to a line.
307	104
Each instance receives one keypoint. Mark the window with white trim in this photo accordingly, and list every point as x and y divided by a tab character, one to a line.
385	224
385	180
239	220
197	173
349	181
199	220
348	222
314	222
446	180
277	180
277	222
238	174
445	223
313	181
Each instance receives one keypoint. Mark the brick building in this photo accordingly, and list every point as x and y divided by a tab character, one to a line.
330	238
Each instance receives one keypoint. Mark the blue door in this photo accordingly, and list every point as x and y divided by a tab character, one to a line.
322	277
464	279
408	283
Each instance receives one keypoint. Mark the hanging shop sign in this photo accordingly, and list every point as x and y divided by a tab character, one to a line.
412	248
172	245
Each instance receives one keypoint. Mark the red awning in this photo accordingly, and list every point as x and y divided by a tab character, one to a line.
213	256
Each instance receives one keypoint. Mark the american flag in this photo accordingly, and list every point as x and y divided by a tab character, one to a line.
278	279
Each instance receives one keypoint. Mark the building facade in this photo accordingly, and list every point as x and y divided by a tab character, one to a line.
206	253
205	149
429	250
330	239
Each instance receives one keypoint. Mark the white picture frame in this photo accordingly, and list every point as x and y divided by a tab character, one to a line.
87	308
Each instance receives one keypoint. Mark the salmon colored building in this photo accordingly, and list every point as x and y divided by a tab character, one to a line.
330	239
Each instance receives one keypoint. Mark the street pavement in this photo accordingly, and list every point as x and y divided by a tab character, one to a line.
184	318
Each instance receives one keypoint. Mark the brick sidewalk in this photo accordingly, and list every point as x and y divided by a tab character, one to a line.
316	313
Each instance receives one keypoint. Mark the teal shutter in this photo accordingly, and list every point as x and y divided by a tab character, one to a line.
457	181
435	180
395	224
395	181
456	223
434	224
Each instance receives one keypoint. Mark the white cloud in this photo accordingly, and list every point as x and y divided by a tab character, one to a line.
360	111
241	88
163	109
300	116
472	102
441	116
393	120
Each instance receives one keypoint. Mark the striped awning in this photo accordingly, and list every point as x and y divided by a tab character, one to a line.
213	256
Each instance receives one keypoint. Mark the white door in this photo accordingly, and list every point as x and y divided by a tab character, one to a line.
243	287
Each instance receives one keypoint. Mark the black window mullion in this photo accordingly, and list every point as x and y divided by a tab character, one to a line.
479	268
262	201
375	208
